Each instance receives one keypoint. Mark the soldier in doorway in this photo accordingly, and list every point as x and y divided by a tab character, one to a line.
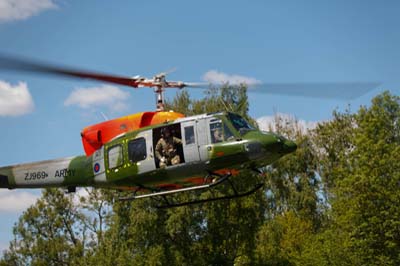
166	149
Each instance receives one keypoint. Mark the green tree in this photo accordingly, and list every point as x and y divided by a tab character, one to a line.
295	211
368	198
48	233
361	167
226	98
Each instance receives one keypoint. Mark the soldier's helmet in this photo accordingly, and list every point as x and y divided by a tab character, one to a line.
165	131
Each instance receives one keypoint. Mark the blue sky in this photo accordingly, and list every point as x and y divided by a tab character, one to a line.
271	41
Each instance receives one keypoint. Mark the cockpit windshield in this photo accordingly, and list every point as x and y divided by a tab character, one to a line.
239	123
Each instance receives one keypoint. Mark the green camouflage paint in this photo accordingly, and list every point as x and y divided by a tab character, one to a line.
249	149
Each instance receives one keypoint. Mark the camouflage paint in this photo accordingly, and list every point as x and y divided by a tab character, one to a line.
251	149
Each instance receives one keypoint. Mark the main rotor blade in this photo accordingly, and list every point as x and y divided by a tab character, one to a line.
328	90
28	65
197	85
325	90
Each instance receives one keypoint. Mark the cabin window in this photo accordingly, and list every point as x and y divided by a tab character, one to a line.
189	135
137	150
115	158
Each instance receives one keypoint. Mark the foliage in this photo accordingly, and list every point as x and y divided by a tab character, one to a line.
361	170
227	98
48	233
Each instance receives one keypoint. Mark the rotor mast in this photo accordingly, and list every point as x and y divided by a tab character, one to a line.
159	83
159	88
159	91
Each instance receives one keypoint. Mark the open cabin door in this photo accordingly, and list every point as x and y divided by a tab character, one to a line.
203	139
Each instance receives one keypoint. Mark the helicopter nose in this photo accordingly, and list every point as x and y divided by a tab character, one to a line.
268	145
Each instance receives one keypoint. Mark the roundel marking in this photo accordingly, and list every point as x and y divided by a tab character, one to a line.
96	167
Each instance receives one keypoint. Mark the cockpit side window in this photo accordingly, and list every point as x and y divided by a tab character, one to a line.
216	132
220	132
228	133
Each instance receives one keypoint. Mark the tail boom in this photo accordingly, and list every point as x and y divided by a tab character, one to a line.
51	173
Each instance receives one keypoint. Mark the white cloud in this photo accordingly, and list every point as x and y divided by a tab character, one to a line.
11	10
16	201
15	100
268	123
106	95
216	77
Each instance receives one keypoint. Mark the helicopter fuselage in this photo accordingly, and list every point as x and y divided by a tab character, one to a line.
209	143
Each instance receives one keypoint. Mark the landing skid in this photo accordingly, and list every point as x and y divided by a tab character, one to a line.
219	179
236	195
174	191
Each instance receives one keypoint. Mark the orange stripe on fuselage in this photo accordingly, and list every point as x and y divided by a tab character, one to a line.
95	136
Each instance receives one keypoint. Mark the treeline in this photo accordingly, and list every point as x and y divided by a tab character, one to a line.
335	201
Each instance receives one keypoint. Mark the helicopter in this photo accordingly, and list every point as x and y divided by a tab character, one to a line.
155	153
